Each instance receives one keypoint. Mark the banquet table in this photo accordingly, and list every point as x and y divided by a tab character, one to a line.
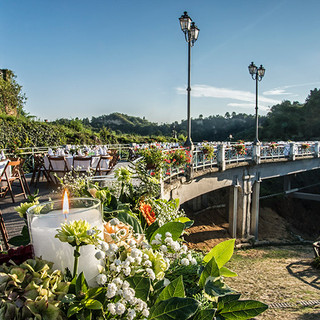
69	160
3	164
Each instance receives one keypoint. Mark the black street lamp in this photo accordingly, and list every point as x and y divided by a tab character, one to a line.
191	33
257	75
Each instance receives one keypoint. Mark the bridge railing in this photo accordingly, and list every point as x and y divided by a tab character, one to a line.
236	153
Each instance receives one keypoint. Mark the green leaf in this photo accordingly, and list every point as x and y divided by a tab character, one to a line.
151	229
128	219
141	285
242	309
81	284
174	289
222	252
207	314
187	222
175	228
210	270
225	272
73	309
93	304
228	298
217	288
174	308
21	240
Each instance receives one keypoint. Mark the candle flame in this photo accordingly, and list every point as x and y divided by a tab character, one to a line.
65	206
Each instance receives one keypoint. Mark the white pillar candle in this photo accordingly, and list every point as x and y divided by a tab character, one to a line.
43	228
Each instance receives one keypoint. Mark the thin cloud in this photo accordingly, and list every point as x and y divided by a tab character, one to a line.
276	92
282	90
247	106
205	91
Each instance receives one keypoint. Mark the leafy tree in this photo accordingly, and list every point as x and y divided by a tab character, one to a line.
12	99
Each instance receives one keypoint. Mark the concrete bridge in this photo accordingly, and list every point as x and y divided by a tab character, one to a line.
242	174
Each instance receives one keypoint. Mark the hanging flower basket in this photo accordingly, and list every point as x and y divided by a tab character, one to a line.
240	149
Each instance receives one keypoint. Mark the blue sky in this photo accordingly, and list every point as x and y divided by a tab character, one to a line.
81	58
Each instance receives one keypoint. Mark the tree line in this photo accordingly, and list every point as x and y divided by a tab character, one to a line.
285	121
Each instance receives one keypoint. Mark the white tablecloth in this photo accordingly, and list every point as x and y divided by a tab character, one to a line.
69	159
3	163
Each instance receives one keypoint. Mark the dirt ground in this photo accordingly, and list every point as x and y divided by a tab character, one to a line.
270	274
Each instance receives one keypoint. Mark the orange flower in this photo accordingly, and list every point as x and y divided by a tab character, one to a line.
147	212
122	230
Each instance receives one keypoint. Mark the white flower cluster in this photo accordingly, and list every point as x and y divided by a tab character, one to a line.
126	302
134	262
168	245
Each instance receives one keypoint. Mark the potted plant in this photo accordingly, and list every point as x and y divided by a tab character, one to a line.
208	150
240	147
305	146
153	157
273	145
179	157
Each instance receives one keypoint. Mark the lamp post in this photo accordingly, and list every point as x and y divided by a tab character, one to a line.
191	33
257	75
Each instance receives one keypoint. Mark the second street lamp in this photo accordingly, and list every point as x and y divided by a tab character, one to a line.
191	33
257	75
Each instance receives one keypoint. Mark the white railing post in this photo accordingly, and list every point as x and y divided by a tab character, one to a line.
256	153
316	149
221	158
292	151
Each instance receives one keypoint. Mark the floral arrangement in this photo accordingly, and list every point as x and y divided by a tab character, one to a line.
305	146
208	150
240	148
147	270
178	157
273	145
153	157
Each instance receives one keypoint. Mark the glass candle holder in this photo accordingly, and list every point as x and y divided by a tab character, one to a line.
43	221
105	181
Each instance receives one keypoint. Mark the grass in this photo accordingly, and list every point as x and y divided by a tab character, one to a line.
278	274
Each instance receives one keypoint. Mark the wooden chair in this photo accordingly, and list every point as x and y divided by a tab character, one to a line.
39	168
4	232
113	159
4	178
81	164
14	172
103	166
57	167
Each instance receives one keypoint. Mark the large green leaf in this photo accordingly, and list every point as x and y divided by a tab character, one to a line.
175	228
129	219
227	273
174	308
242	309
22	240
174	289
217	288
81	284
222	252
187	222
141	285
210	270
151	229
208	314
229	297
92	304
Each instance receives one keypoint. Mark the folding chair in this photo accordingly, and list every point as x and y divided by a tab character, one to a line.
14	172
4	232
104	165
81	164
4	177
58	166
39	168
